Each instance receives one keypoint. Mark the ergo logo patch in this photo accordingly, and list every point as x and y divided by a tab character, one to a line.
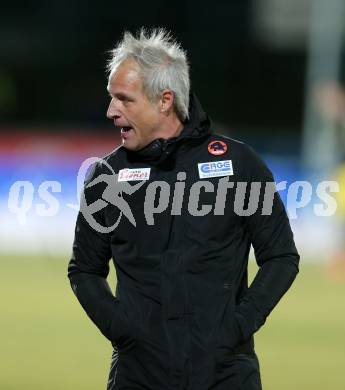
215	169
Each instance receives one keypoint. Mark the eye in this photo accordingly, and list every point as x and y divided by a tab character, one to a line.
123	98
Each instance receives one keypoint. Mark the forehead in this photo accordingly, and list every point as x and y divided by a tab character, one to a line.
126	78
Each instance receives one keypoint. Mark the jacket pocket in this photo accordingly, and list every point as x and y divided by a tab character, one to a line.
228	335
123	330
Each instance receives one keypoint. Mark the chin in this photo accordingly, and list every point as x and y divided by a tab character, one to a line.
130	146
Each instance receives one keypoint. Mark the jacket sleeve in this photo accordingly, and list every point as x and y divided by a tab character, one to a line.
89	267
275	253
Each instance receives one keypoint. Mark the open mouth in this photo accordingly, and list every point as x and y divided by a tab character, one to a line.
126	129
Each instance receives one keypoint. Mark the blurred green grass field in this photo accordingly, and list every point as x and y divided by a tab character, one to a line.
47	342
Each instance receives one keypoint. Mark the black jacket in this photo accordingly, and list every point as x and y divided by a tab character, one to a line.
182	306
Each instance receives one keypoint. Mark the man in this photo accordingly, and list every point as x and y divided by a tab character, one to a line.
183	316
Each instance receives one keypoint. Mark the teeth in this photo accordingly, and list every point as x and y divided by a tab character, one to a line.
126	128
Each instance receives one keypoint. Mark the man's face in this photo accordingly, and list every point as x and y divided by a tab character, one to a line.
130	109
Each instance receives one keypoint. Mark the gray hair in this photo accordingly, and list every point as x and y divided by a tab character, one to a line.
162	62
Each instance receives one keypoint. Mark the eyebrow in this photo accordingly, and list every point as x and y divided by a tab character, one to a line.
120	94
116	94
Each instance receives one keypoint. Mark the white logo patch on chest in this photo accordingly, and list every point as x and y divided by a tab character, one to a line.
215	169
134	174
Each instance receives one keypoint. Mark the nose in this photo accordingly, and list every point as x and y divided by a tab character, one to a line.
112	111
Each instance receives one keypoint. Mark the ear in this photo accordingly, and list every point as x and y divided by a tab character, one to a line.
167	101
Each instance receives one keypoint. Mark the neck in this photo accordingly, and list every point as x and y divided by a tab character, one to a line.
172	128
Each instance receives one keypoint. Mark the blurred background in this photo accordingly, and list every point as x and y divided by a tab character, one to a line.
270	73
